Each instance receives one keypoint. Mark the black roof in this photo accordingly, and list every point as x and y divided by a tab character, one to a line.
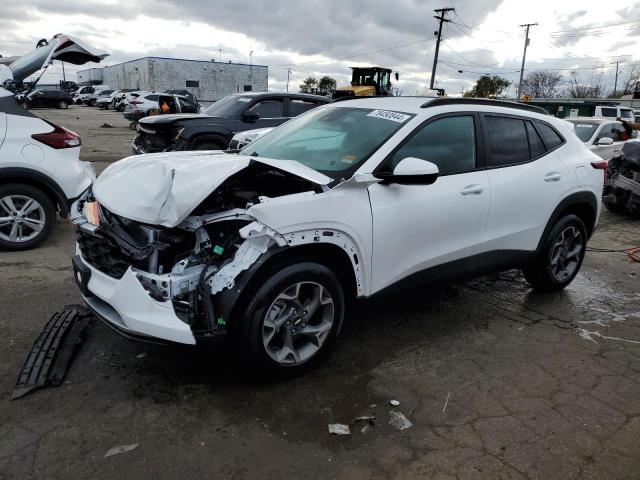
283	95
439	101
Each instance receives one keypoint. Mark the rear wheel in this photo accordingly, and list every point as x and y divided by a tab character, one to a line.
561	257
27	216
63	104
92	102
292	318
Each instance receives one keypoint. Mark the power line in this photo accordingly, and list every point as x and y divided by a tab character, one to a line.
594	28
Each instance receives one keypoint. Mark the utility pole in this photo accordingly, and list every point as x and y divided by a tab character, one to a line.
288	73
64	78
441	19
615	83
524	56
220	52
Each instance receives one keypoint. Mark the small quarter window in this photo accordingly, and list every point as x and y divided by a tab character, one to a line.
193	83
549	136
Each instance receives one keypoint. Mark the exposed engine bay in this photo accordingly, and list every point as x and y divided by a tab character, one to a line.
203	255
622	187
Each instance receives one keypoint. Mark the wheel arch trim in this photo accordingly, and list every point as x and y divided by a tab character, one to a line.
40	180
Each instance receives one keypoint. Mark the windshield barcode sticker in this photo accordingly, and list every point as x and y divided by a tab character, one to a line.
389	115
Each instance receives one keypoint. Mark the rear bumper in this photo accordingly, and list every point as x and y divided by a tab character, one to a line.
125	306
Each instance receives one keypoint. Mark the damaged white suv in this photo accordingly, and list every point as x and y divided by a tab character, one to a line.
342	202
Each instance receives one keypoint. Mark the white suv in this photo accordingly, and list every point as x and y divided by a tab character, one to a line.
40	172
345	201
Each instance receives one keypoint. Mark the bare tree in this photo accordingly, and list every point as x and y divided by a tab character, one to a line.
542	84
594	87
630	80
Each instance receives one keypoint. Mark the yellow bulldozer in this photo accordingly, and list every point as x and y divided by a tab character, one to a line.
367	82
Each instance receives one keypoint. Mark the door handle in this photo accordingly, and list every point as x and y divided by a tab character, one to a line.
616	149
472	190
552	177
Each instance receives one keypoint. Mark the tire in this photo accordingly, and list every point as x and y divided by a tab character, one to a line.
615	207
34	226
561	257
26	105
208	146
265	345
92	102
63	105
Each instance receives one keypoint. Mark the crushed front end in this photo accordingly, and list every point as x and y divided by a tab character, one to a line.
152	282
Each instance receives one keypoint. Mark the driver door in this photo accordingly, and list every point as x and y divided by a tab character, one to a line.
416	227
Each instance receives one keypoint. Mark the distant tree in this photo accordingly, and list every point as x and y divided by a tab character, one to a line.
542	84
488	87
594	87
326	85
630	81
308	85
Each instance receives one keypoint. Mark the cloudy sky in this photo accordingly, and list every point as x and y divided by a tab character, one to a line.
327	37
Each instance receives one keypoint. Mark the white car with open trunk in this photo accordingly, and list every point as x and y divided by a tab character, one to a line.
347	200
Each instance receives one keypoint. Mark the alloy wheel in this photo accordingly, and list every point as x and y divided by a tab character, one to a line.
298	323
565	253
21	218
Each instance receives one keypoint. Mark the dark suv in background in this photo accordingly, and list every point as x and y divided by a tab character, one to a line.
46	99
214	128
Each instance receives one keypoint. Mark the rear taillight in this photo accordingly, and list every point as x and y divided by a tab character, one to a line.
135	102
59	138
602	165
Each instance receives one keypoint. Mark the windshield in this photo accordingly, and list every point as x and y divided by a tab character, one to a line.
585	130
332	140
228	106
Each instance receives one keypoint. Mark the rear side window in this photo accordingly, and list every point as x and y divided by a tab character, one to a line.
448	142
152	98
549	136
536	148
300	106
609	112
508	143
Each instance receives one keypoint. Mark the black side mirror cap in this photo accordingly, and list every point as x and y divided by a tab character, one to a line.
389	178
250	116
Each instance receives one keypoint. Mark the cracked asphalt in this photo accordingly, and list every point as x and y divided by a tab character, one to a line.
498	382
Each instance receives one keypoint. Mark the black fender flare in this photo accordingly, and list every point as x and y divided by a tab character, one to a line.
214	132
38	179
571	200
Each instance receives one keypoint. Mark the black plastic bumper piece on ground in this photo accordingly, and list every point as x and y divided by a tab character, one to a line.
52	352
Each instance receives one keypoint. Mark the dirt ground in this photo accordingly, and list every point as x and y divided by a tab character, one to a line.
498	382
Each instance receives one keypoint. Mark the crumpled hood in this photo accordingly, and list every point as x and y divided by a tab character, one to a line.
164	188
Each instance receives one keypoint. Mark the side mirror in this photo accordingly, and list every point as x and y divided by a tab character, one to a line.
250	116
605	141
411	171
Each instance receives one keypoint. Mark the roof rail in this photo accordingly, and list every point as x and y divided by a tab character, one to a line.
483	101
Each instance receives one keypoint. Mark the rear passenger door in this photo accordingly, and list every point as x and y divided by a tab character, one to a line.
527	178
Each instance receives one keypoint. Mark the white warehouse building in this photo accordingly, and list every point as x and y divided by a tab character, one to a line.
208	81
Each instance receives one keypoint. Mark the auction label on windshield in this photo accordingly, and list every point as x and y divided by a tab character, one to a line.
389	115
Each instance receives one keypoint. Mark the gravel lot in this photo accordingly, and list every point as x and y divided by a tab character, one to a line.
497	381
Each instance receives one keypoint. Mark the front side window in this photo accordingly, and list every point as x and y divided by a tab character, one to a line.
448	142
269	108
585	131
331	140
508	144
609	112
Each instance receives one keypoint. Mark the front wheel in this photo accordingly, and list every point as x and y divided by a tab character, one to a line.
27	216
63	105
560	260
292	318
207	146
